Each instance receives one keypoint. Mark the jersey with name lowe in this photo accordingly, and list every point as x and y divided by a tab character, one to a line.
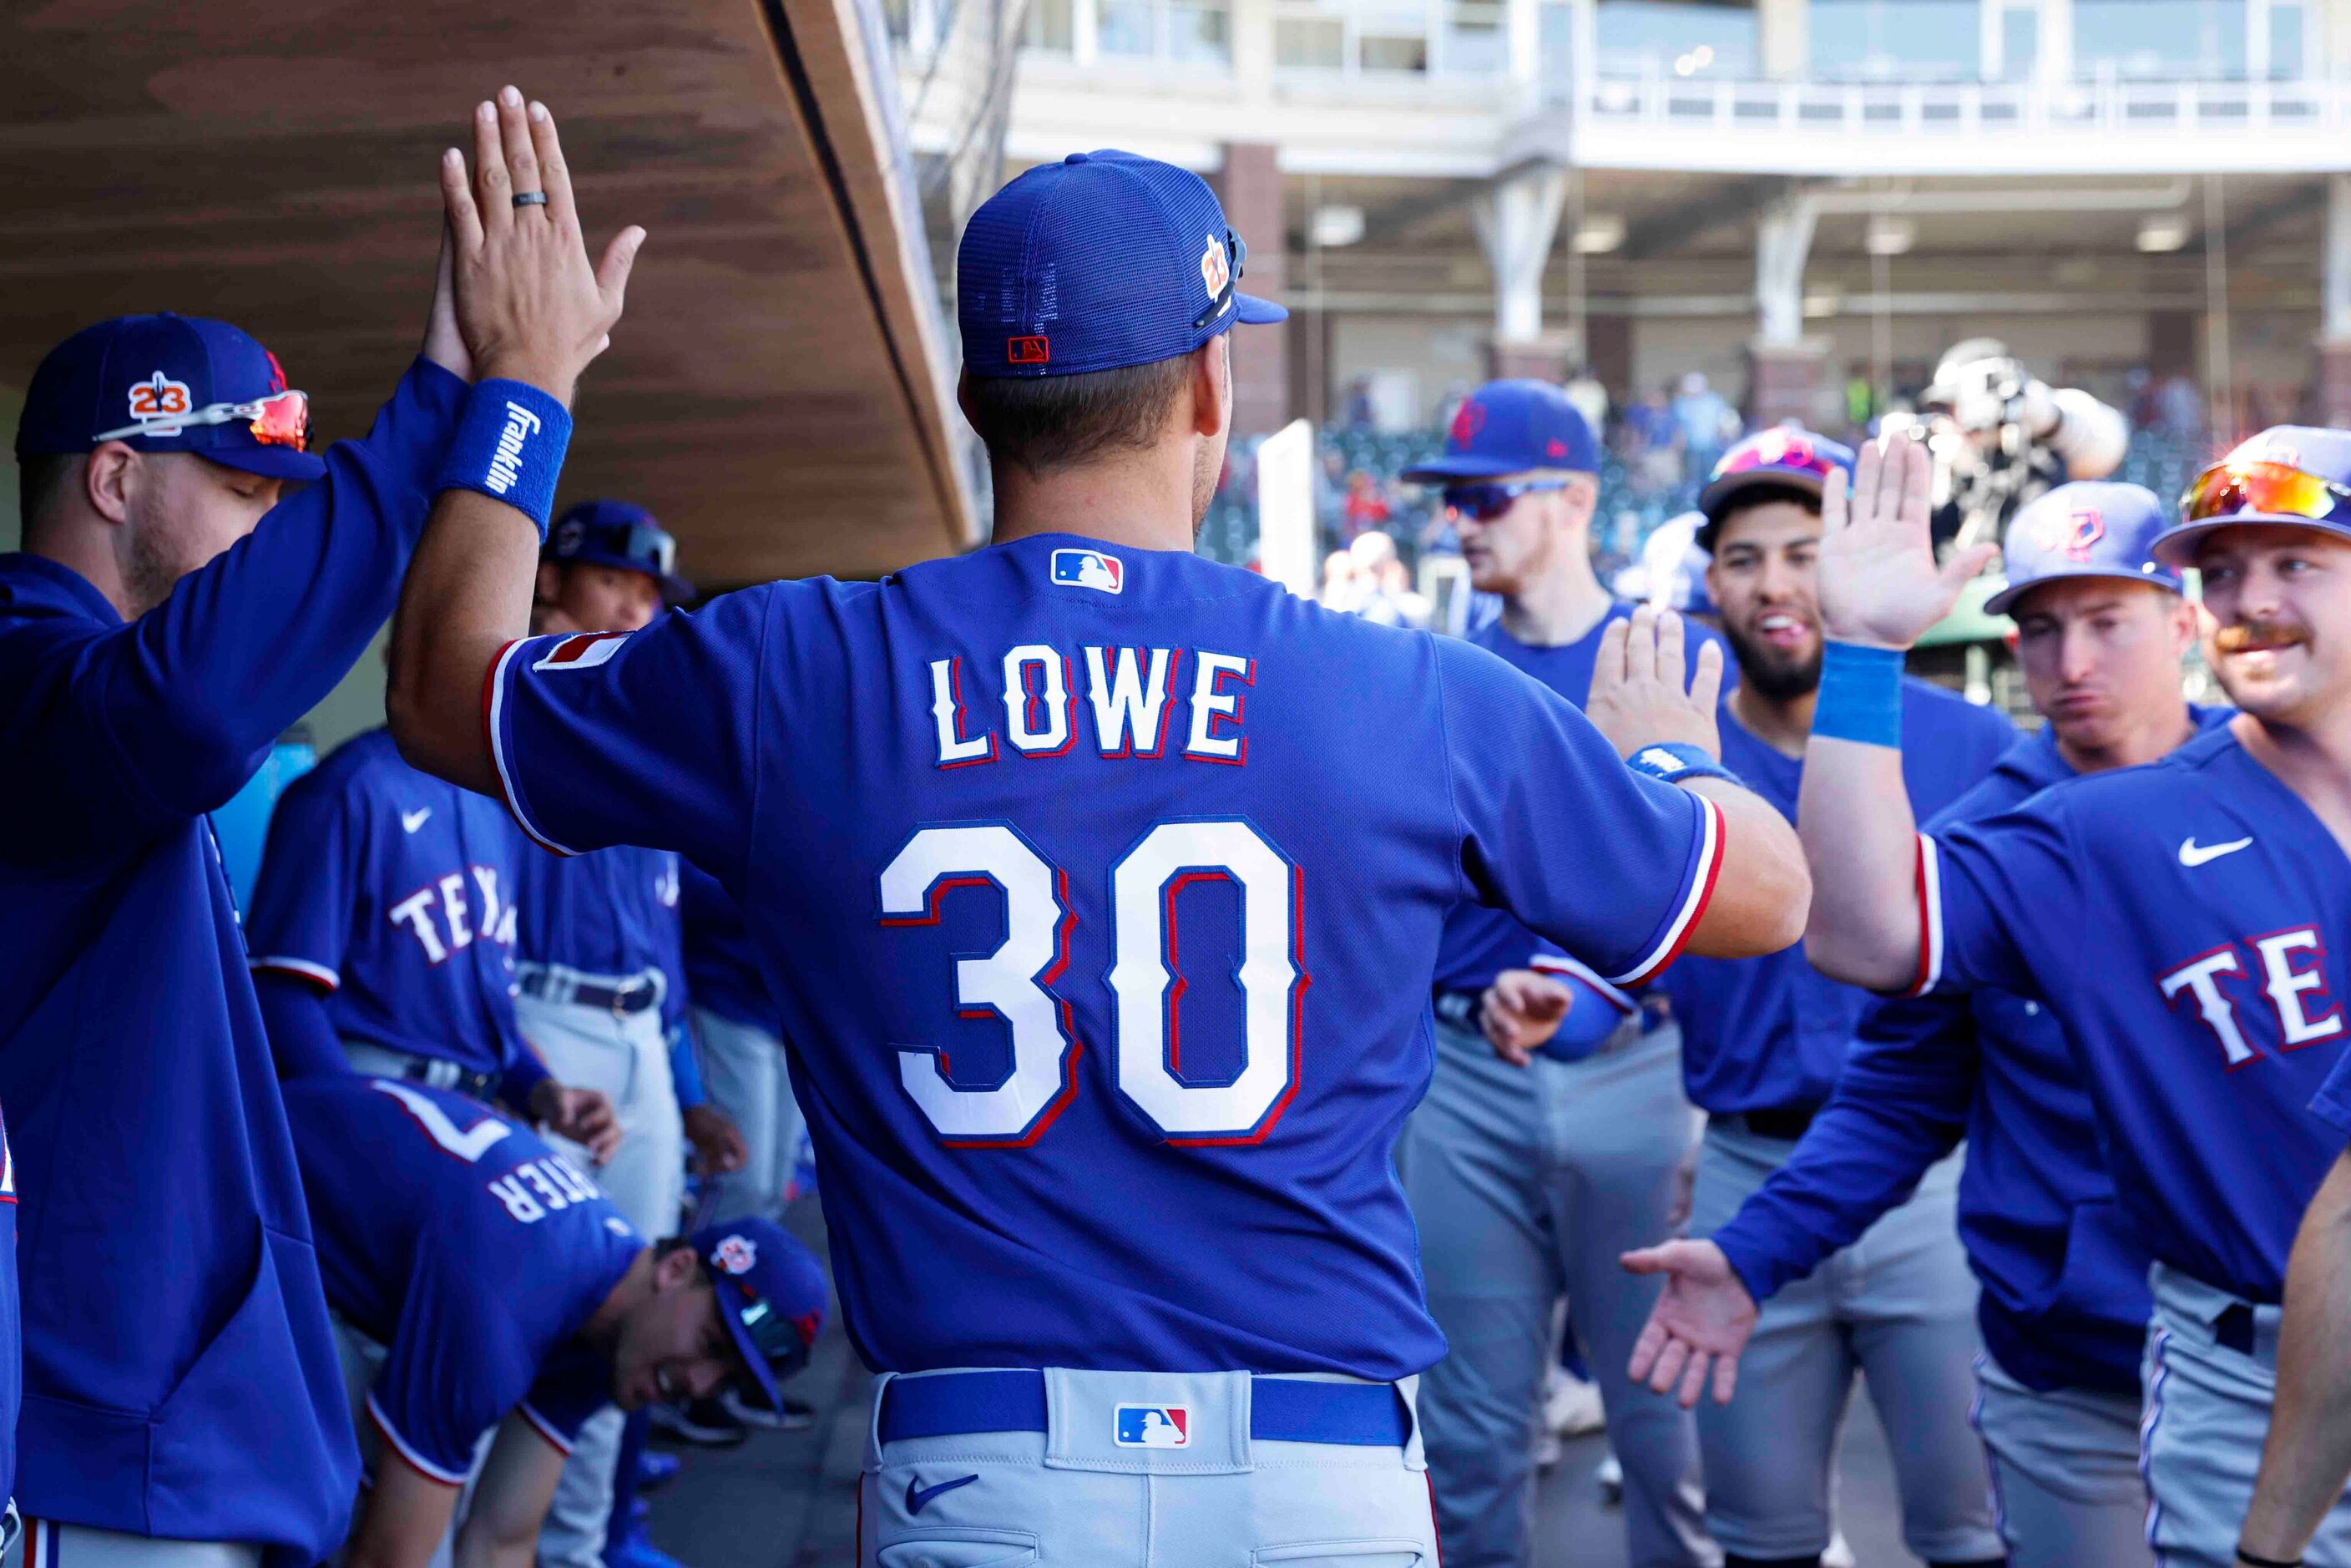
1764	1034
2176	917
395	891
2065	1302
1480	942
1100	906
469	1250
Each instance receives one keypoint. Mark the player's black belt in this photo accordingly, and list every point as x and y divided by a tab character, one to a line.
440	1073
1281	1409
633	996
1785	1122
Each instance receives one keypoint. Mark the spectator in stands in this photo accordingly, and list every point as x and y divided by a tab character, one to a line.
1650	444
1589	397
2179	406
1386	593
1366	506
1342	583
1707	424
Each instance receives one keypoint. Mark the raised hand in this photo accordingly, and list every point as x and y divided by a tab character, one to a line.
444	345
716	1138
1878	581
1700	1324
1639	697
530	305
1520	1013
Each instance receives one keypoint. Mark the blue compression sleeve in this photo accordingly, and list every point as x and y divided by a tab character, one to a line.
685	1070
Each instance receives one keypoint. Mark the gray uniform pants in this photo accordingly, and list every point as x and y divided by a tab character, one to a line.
743	1069
1898	1307
626	1056
2208	1413
1527	1183
2065	1473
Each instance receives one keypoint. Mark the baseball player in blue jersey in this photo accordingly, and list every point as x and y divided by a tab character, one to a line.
1100	887
502	1293
1527	1180
382	935
2101	629
1763	1042
167	621
738	1036
2173	916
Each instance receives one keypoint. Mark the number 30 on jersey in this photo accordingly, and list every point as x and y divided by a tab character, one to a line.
1013	983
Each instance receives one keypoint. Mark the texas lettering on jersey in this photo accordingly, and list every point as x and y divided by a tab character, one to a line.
439	918
2287	967
1129	696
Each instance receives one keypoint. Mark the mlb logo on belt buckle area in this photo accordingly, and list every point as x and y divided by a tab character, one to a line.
1089	568
1151	1427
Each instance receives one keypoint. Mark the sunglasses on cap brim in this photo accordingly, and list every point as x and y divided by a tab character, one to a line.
776	1337
281	419
2233	489
648	546
1484	503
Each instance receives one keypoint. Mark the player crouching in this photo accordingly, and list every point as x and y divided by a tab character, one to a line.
489	1301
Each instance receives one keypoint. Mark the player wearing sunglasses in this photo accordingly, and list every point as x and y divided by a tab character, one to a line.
1548	1146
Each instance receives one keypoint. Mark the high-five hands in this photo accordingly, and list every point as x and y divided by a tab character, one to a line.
1520	1013
528	305
1878	581
1701	1322
1639	697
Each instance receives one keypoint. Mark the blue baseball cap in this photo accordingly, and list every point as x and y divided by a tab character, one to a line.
620	534
2294	475
1510	427
170	383
771	1297
2085	530
1787	455
1102	260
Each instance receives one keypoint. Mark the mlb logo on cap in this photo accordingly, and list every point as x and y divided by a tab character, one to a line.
1089	568
1151	1427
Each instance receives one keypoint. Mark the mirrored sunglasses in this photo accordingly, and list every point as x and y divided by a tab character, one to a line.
1486	502
2230	489
282	419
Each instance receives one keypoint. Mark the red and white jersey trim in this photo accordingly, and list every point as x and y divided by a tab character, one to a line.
1561	964
545	1429
1669	945
418	1462
1929	887
493	696
287	965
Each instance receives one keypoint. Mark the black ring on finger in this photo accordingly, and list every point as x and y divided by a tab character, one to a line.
530	198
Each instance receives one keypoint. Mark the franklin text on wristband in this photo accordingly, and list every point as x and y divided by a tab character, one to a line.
510	446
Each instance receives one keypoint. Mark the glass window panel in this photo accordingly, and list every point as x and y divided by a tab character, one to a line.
1126	27
1200	31
2020	45
1678	36
1394	53
1475	44
1309	43
2289	57
1897	40
1050	25
2159	40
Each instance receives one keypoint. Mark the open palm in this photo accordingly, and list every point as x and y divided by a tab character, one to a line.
1879	583
1699	1325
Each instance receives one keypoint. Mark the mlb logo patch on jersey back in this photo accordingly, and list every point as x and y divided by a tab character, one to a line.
1151	1427
1089	568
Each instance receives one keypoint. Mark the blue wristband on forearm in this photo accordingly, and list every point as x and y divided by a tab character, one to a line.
1673	761
1861	695
509	446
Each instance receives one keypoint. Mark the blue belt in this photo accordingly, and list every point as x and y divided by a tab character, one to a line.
1281	1409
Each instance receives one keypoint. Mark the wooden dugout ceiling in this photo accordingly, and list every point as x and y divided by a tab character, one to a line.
770	393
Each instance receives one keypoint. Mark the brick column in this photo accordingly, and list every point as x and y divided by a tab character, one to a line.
1544	358
1783	382
2332	393
1251	188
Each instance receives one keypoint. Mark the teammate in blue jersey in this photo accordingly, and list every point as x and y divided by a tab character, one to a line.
602	1000
484	1284
1527	1185
2101	629
382	935
1100	887
167	621
2173	916
1763	1042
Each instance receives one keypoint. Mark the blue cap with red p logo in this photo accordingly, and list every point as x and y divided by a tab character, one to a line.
170	383
1099	261
2083	529
1511	427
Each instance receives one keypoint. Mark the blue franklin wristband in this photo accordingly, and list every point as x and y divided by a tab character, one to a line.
510	446
1860	695
1671	761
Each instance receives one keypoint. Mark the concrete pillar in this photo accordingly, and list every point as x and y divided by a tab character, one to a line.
2055	65
1784	366
1252	192
1783	33
2333	393
1516	221
1253	49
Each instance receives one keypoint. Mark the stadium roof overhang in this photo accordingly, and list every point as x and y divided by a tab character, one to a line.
777	393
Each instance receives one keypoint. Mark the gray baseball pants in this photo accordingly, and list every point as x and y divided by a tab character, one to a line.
743	1069
2065	1486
